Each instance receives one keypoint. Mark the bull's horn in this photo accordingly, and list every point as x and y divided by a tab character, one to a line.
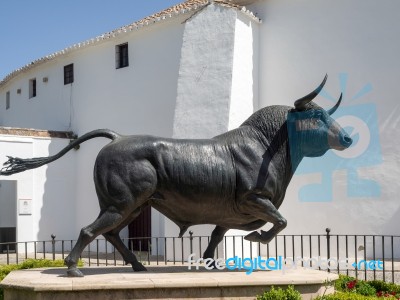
333	109
300	104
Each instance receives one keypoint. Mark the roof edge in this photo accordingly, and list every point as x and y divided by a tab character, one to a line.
29	132
189	6
167	14
241	8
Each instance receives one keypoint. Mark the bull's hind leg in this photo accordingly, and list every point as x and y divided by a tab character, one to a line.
114	238
106	221
216	237
266	211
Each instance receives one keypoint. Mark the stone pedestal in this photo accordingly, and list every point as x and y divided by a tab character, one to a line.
158	283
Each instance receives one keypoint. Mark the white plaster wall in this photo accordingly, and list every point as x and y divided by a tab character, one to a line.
244	77
205	74
50	188
301	41
54	185
50	109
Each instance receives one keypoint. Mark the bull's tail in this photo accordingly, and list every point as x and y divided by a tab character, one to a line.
16	165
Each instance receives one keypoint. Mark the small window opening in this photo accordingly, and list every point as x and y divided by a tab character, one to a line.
8	99
32	88
68	74
121	56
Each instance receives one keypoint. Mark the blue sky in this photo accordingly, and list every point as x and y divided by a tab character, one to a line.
31	29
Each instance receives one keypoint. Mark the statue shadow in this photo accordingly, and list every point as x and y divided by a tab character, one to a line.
62	272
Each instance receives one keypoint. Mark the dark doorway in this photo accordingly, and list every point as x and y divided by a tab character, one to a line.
7	235
8	214
140	231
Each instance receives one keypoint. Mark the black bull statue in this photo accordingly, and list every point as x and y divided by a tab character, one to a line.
235	180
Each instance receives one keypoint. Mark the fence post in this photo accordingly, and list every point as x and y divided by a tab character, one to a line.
191	242
53	245
328	247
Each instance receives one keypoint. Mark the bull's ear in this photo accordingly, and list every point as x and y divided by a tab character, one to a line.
333	109
301	103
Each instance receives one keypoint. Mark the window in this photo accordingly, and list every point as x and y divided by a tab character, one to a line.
68	74
8	100
121	56
32	88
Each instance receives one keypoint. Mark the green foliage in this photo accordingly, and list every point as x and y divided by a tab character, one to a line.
341	283
350	284
351	288
41	263
279	294
30	264
5	270
385	286
345	296
365	289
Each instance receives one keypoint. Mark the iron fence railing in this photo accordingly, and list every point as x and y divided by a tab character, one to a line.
367	256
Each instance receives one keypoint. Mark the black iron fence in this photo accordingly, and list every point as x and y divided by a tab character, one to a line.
361	256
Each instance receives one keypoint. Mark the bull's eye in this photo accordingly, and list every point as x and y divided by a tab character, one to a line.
307	124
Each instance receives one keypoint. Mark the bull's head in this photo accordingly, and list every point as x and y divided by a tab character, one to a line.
312	131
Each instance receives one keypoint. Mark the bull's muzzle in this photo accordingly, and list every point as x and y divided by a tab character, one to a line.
345	142
339	139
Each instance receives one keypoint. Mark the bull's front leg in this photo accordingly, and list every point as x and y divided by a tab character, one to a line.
263	209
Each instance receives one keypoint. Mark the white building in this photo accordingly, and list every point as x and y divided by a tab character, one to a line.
199	69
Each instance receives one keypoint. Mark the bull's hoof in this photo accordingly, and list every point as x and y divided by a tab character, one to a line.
138	267
264	238
214	265
211	263
253	237
74	273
